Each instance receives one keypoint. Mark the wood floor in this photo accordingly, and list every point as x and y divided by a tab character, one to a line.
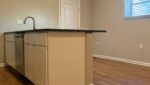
107	72
8	77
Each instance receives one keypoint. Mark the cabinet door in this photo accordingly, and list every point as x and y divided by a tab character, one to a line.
40	65
29	61
10	53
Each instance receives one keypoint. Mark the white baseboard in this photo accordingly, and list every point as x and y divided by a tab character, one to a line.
123	60
2	64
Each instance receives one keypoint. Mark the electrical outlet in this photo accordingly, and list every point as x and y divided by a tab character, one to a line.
19	22
97	42
141	45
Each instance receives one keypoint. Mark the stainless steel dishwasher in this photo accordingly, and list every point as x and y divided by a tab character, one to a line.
19	53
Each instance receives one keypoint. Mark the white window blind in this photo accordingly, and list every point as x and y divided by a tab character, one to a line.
134	8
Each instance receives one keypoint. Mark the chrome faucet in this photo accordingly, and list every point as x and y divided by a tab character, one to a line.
34	28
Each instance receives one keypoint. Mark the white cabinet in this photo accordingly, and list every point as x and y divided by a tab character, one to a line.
54	58
10	49
36	57
58	58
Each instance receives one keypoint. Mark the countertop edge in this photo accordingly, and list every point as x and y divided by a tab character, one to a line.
57	30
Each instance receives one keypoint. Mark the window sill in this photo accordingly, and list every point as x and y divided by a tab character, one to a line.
137	17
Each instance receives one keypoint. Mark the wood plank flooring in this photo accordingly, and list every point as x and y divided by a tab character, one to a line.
108	72
8	77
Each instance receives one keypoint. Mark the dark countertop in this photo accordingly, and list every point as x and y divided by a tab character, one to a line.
58	30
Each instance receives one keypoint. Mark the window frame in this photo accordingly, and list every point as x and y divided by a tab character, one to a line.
128	10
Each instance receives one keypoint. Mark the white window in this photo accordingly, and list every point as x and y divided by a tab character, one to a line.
137	8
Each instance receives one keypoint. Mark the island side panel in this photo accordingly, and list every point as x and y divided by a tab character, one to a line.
89	59
67	58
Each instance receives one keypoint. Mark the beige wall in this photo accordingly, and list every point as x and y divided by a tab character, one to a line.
44	11
123	36
1	48
85	21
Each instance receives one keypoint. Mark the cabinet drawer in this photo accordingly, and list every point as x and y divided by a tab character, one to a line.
29	38
38	38
10	37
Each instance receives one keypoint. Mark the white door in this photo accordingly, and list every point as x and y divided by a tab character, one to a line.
69	14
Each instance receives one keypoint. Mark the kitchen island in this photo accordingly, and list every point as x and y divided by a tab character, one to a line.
54	56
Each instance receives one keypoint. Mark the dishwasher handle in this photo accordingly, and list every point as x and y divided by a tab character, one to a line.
18	35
